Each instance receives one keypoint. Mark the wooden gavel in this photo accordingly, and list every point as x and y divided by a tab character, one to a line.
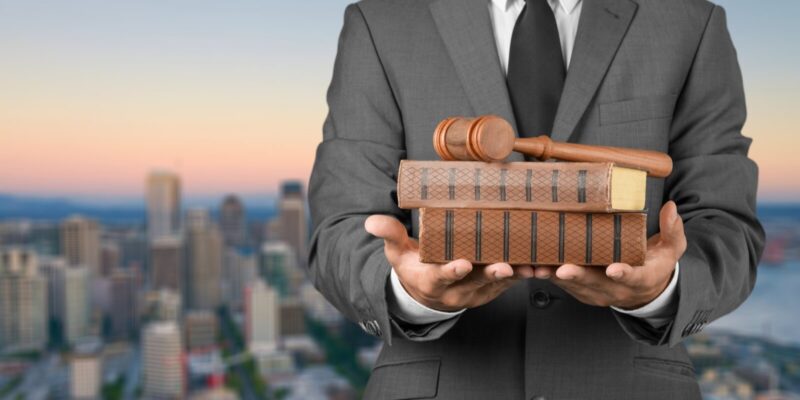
490	138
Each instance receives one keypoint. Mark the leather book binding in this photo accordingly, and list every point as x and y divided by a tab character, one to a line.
521	237
555	186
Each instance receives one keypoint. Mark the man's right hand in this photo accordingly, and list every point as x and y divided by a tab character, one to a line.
445	287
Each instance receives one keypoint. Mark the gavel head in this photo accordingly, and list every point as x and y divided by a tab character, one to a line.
487	138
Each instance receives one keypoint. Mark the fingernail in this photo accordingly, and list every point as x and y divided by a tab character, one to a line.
461	270
615	274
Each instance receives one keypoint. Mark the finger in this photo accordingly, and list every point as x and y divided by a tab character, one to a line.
544	272
627	275
671	227
451	272
524	272
388	228
573	273
490	274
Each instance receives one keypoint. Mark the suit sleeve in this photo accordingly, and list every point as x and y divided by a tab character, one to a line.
714	185
354	176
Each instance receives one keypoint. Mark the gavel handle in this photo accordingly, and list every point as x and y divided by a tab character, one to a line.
656	164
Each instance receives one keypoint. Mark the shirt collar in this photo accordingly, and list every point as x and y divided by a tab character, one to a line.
566	5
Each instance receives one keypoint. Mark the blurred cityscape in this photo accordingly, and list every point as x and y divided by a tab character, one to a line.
215	303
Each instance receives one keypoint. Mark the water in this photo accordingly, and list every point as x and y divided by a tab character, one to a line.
771	310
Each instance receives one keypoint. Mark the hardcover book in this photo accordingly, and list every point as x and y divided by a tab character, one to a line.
531	237
556	186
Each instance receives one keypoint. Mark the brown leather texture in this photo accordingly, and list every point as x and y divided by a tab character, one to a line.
583	187
531	237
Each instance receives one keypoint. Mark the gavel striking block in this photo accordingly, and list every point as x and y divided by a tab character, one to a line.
490	138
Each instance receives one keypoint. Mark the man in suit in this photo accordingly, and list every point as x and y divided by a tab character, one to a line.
650	74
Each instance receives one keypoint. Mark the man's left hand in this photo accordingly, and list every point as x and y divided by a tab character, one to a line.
622	285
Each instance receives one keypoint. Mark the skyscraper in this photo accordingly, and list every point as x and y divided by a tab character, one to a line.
292	222
74	308
203	264
201	330
85	371
166	263
232	221
124	310
23	301
80	243
163	204
110	258
239	270
262	317
279	266
162	361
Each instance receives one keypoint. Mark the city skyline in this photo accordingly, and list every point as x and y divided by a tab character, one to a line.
98	94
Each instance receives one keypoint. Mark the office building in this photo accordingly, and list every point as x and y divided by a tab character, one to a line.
203	265
166	263
279	266
200	328
262	319
292	221
239	269
163	194
80	243
163	369
124	308
23	301
232	221
110	258
74	309
85	371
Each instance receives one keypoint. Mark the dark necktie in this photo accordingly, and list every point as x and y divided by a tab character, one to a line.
536	69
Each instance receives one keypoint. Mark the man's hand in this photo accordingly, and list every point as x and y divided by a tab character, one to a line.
621	285
448	287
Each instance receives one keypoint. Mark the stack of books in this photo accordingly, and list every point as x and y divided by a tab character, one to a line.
533	213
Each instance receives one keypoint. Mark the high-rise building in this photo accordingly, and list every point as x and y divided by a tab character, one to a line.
23	301
74	309
110	258
280	268
163	305
124	310
201	330
166	263
163	369
262	319
85	371
292	221
203	265
163	204
51	268
293	318
239	270
232	221
80	243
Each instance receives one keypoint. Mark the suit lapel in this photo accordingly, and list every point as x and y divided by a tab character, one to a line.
466	29
603	24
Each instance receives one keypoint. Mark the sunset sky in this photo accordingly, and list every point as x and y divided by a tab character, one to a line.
231	95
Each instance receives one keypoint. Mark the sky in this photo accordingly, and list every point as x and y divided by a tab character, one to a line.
231	95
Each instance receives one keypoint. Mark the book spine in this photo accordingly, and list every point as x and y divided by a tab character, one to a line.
531	237
533	186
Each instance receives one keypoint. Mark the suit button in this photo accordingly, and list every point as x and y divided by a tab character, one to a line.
540	299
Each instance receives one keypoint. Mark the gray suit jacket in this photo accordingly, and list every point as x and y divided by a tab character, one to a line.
649	74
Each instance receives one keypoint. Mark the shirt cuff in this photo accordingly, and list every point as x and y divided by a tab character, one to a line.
403	306
662	309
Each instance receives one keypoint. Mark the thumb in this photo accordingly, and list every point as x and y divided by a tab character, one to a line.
388	228
671	226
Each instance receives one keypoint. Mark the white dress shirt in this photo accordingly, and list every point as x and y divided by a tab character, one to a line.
504	14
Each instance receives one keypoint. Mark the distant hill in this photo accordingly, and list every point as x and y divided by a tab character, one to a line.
54	209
